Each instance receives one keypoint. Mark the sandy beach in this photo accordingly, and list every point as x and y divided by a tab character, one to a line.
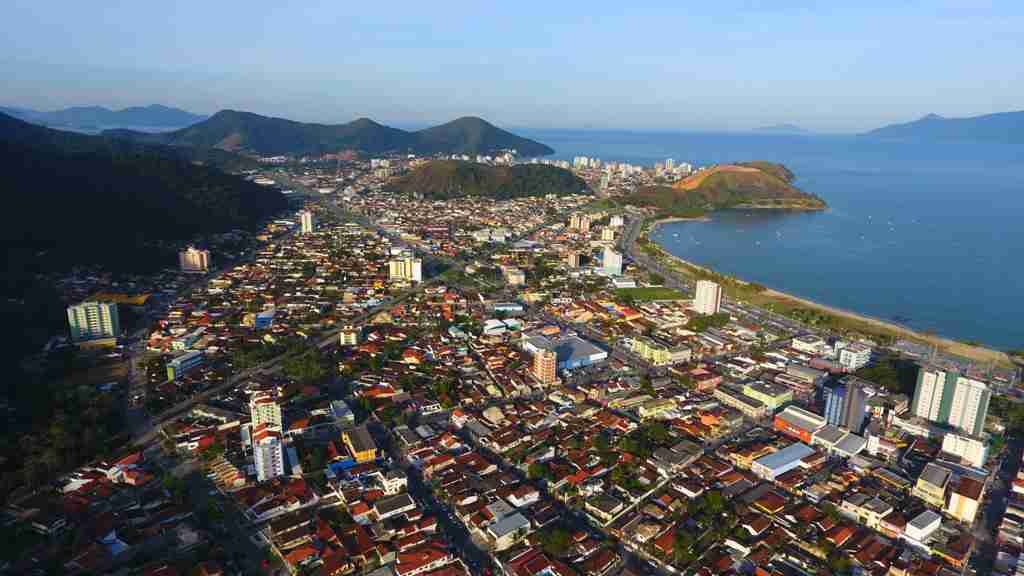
657	223
977	353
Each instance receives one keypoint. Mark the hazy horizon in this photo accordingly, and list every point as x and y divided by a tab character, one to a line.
667	67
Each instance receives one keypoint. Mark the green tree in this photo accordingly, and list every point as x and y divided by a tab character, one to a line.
305	367
536	470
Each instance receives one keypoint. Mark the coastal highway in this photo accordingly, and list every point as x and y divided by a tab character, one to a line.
673	280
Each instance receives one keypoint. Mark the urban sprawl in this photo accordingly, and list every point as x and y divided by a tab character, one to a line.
389	385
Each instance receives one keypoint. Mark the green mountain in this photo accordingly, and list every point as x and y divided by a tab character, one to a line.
756	184
154	115
83	199
442	179
1005	127
248	132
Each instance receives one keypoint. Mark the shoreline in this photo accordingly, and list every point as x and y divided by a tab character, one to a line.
661	221
949	345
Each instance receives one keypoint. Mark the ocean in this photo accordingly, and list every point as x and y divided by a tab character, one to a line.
924	234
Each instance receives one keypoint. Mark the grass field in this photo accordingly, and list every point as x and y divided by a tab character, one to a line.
650	294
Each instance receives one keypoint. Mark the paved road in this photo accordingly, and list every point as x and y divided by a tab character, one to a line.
992	511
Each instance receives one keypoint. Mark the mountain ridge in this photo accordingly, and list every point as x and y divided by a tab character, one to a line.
1005	127
151	116
238	130
445	179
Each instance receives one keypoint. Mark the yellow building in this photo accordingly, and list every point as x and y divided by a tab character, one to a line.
965	499
360	444
772	395
931	485
652	351
656	408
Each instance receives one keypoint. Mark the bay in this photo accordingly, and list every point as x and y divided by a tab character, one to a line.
926	234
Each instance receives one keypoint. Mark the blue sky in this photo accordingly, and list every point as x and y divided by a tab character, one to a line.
831	66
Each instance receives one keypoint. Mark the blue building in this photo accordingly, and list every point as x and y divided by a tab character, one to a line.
264	320
183	363
572	351
834	397
845	404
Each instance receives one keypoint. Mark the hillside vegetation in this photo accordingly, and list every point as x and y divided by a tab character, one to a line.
442	179
756	184
82	199
252	133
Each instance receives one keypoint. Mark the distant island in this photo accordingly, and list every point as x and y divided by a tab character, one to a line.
782	129
1004	127
444	179
756	184
98	117
251	133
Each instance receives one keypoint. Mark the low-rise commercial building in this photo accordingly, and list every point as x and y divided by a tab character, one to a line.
932	484
778	463
773	396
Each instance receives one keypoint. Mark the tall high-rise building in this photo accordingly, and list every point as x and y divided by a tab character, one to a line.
572	259
708	299
194	260
263	409
267	453
545	362
612	262
946	397
845	404
349	336
307	222
834	398
408	269
93	321
608	234
580	222
969	408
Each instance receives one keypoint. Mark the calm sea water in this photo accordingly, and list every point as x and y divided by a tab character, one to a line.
926	234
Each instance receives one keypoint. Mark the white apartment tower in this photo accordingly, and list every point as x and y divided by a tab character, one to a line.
612	262
307	222
93	320
408	269
946	397
194	260
264	410
708	299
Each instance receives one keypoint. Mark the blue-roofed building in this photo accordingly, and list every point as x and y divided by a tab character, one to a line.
776	464
183	363
264	320
572	351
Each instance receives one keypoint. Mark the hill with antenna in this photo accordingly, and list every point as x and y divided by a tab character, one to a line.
252	133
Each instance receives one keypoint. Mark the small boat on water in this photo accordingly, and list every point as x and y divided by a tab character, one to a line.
676	235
